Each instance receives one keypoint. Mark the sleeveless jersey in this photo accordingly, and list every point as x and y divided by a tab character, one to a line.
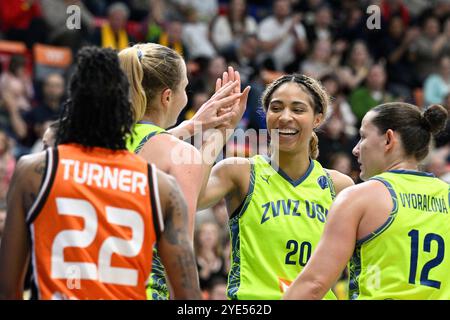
141	133
93	225
157	286
276	229
408	257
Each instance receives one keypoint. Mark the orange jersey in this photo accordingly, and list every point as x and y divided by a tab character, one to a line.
93	225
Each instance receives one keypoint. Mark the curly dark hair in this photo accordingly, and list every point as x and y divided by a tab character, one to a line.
98	111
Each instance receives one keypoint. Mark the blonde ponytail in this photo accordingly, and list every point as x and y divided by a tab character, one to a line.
129	61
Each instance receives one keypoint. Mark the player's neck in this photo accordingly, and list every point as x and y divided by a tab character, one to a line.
156	117
404	164
294	165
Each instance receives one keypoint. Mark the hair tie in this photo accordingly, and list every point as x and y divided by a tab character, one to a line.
139	54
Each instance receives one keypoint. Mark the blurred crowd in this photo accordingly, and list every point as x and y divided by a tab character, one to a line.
406	56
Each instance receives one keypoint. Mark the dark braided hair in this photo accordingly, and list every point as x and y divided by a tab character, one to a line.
98	112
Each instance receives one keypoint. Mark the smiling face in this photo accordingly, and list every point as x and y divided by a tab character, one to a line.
370	149
290	114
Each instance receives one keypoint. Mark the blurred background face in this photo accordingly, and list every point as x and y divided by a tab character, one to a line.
282	8
3	142
249	47
431	28
54	87
216	67
376	78
359	53
324	17
208	235
237	7
322	50
174	31
396	27
117	19
331	86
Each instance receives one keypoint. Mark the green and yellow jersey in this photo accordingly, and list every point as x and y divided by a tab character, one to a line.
408	257
276	229
157	286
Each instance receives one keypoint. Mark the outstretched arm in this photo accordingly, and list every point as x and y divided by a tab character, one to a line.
333	251
175	246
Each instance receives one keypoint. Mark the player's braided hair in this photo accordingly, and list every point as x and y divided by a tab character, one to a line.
98	112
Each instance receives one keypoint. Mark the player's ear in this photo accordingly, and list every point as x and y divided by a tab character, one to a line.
166	97
391	139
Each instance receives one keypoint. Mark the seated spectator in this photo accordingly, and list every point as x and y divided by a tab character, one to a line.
48	110
355	70
208	251
423	50
55	16
196	36
320	62
206	80
244	57
394	48
437	85
339	105
283	36
113	33
16	78
227	30
374	92
322	28
205	10
7	165
171	36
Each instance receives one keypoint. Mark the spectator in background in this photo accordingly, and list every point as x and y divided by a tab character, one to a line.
196	36
283	36
321	61
355	70
206	10
351	24
371	94
7	165
394	48
208	252
48	110
322	28
339	106
206	80
244	57
442	45
217	289
423	50
55	15
21	20
437	85
227	31
113	34
16	78
171	36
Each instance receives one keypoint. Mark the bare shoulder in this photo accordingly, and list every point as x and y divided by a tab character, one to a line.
371	192
340	180
237	167
27	178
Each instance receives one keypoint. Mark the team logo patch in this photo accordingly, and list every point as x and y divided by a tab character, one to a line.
323	182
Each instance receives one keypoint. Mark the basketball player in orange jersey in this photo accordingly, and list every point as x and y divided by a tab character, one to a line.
88	212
